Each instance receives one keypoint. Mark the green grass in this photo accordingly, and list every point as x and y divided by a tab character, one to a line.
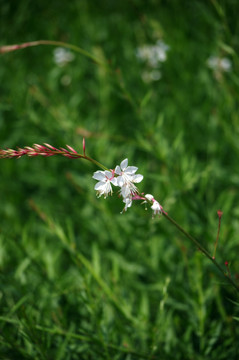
79	280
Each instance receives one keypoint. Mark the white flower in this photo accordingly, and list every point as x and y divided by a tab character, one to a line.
149	197
161	51
103	187
62	56
153	55
217	63
156	207
126	178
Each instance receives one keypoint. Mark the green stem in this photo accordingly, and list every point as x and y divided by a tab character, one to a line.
8	48
72	47
95	162
202	249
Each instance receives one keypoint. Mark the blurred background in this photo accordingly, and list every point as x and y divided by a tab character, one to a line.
79	279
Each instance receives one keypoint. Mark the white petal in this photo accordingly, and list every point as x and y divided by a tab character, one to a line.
124	164
128	203
108	174
117	170
125	192
108	188
114	181
120	181
149	197
100	185
137	178
99	175
156	207
131	170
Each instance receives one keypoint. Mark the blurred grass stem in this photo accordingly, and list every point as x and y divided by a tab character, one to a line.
8	48
116	73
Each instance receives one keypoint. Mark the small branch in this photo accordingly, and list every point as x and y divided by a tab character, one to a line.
46	150
202	249
8	48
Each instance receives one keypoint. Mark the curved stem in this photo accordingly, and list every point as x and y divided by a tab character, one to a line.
7	48
72	47
202	249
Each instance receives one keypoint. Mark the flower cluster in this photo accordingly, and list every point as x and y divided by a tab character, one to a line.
219	66
152	56
125	178
216	63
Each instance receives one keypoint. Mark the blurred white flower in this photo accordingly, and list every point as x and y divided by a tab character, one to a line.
153	55
217	63
62	56
103	187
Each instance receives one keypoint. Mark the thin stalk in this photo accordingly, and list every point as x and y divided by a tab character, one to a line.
202	249
8	48
95	162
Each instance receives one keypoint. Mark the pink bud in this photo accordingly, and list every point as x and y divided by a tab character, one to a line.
83	143
71	149
50	146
